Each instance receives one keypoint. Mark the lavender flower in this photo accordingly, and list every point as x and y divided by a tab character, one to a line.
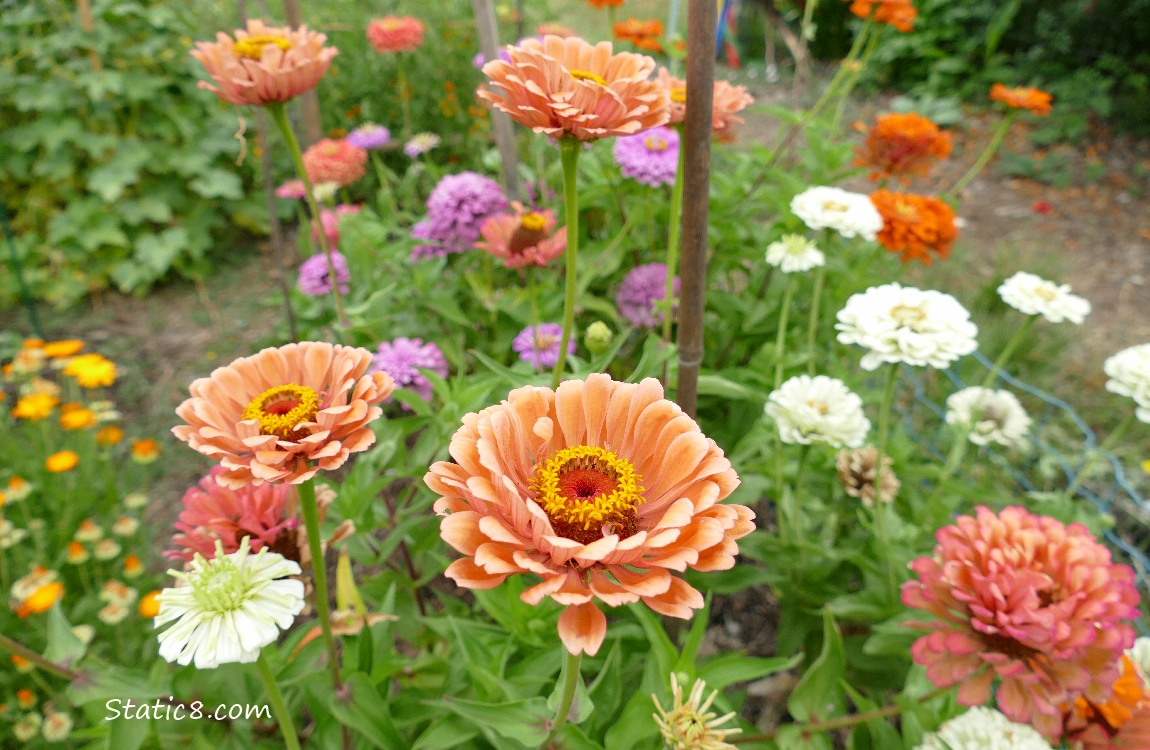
456	210
420	144
369	136
651	158
540	346
403	358
642	288
314	280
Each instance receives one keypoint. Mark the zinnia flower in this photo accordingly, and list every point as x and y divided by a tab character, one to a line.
145	451
77	417
897	13
983	729
420	144
315	277
61	461
570	88
849	214
228	608
395	33
1033	295
456	211
554	29
794	253
540	346
643	288
1129	372
1023	97
62	349
689	725
651	158
523	239
91	370
857	471
818	410
643	34
1027	600
1120	723
989	416
903	324
605	3
403	358
284	414
35	406
727	100
213	515
334	161
600	488
293	189
369	136
264	64
41	600
902	145
915	225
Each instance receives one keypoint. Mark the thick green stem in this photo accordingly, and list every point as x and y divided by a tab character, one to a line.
880	506
570	679
1004	357
279	705
310	512
569	151
985	157
674	238
812	328
781	335
279	114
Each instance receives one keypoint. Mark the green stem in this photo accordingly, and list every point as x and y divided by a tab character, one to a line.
674	238
1107	444
24	652
816	297
384	186
985	157
279	705
570	681
781	335
853	76
879	505
533	296
404	92
1019	337
310	512
569	151
279	114
953	461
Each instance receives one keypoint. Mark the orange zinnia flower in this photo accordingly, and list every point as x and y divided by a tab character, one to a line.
643	34
60	462
41	600
264	64
395	33
284	414
572	89
915	225
149	606
523	239
1121	723
35	406
901	145
145	451
109	435
727	101
1022	97
61	349
897	13
600	488
75	417
605	3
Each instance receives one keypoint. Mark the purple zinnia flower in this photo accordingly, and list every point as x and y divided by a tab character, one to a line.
540	346
456	210
402	359
369	136
420	144
313	274
652	157
642	288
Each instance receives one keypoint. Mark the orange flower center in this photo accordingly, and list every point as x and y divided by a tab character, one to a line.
679	95
588	492
655	143
281	409
586	75
253	46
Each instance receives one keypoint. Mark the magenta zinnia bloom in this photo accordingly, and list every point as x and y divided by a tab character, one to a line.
540	346
369	136
1028	600
315	278
213	513
456	210
651	158
642	288
403	358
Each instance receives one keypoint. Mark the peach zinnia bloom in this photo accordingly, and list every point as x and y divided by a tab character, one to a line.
264	64
915	225
600	488
284	414
897	13
902	145
395	33
524	238
1028	600
1120	723
334	161
571	88
1023	97
727	101
554	29
643	34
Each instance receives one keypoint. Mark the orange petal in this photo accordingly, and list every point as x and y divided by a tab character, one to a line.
467	574
582	628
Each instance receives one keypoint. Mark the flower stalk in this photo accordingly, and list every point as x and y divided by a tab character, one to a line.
310	512
278	704
569	150
812	328
880	508
988	153
1019	336
570	679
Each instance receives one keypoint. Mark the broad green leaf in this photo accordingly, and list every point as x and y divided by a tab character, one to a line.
63	645
367	712
524	721
819	694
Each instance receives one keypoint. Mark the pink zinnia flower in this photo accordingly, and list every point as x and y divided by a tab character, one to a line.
1028	600
213	513
726	101
334	161
329	220
395	33
293	189
524	238
264	64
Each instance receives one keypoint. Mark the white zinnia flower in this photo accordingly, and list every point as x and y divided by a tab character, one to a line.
904	324
1033	295
991	416
229	607
10	536
1139	653
818	410
794	253
983	729
1129	372
849	214
56	727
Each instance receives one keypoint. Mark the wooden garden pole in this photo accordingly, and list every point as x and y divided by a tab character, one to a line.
85	9
308	101
500	122
702	16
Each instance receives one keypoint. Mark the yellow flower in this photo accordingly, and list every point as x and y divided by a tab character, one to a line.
41	600
61	349
76	417
58	463
1146	466
35	406
109	435
145	451
91	370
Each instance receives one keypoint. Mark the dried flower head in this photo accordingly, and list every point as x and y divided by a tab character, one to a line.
857	471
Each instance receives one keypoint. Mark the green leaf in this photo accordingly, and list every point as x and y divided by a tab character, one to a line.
365	711
218	183
63	645
158	251
113	177
524	721
445	734
727	669
819	694
126	734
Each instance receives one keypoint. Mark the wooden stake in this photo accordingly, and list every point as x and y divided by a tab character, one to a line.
488	32
85	9
308	101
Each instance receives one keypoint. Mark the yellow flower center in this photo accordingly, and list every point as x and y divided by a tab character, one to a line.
533	222
835	206
253	46
905	210
819	406
679	95
586	75
655	143
280	409
1046	293
908	316
588	491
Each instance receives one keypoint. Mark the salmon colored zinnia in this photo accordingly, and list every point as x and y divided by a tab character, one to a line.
395	33
727	100
523	239
601	489
284	414
918	227
1028	601
334	161
897	13
1023	97
264	64
1120	723
569	88
902	145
